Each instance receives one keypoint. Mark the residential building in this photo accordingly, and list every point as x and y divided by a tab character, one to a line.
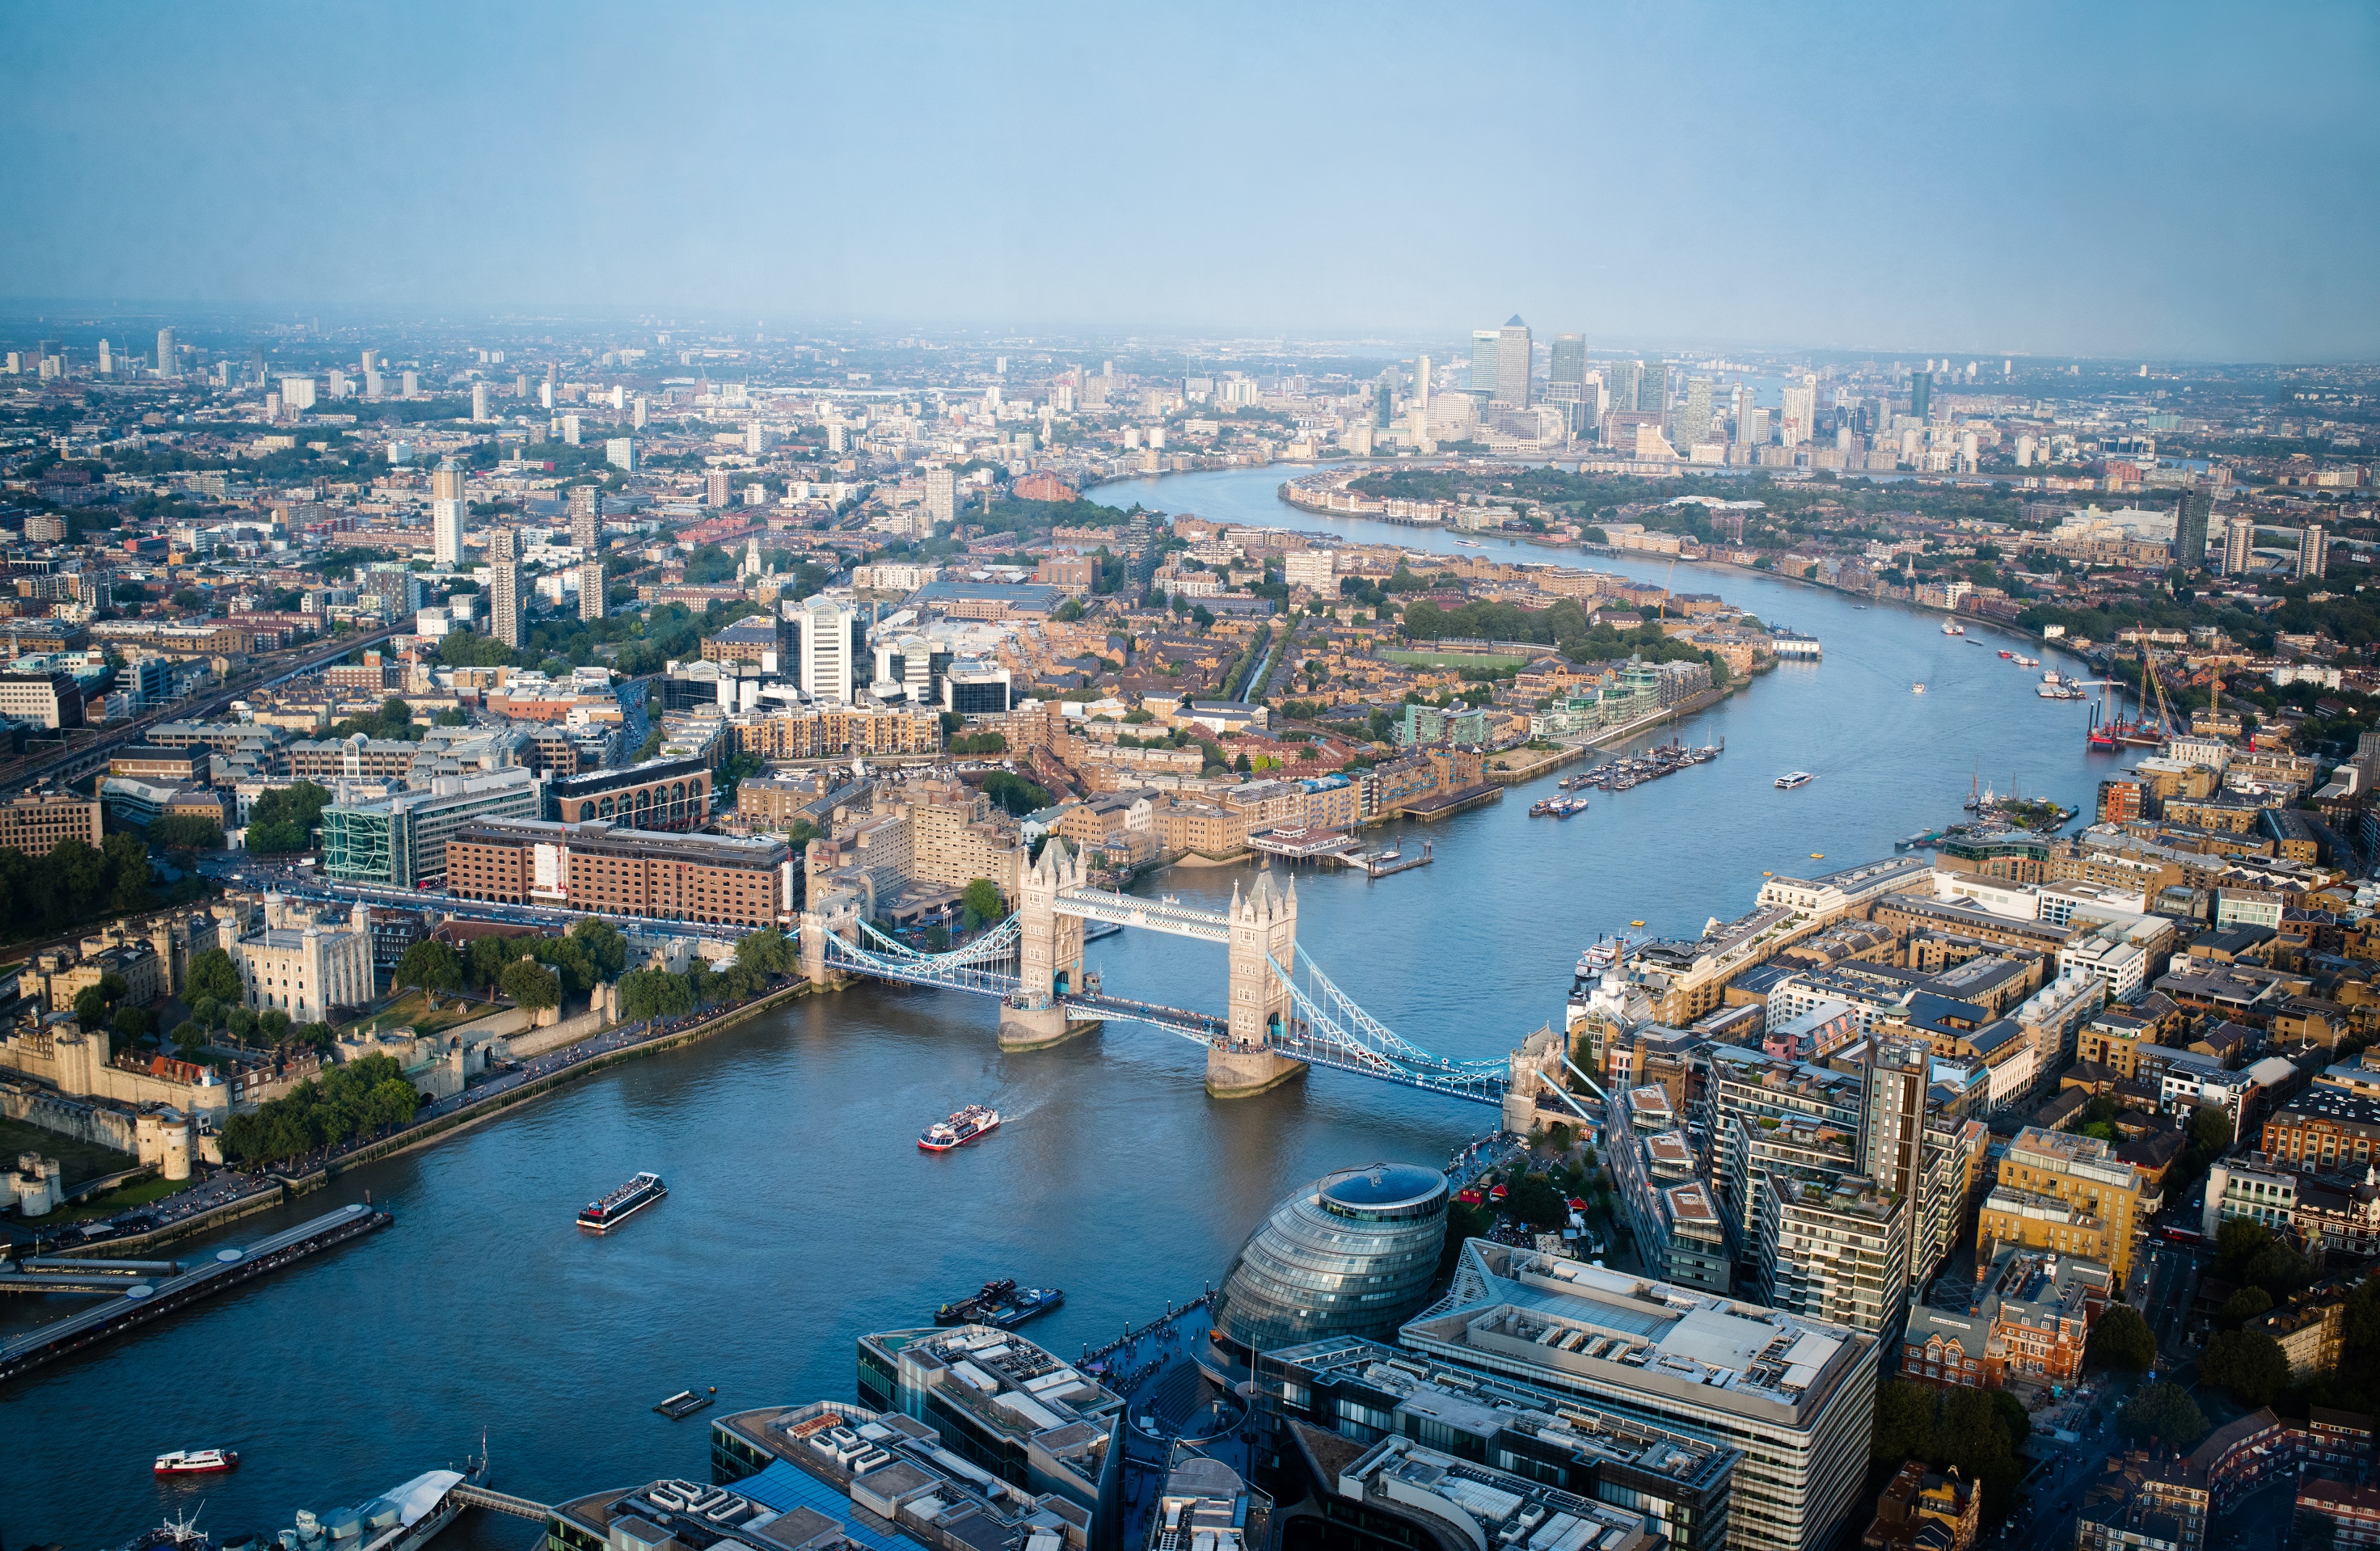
1834	1251
1921	1511
2069	1193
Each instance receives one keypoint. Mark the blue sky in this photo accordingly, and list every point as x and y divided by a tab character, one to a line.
2167	181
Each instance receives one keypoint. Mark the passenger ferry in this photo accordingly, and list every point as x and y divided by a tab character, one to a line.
1950	629
1791	779
601	1216
1003	1304
197	1461
962	1128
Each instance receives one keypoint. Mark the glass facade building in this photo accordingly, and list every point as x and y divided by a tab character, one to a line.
1352	1255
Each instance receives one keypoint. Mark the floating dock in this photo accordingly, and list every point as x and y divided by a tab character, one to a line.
140	1302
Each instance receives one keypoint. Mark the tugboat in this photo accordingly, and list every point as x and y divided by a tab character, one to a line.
197	1461
1001	1303
601	1216
962	1128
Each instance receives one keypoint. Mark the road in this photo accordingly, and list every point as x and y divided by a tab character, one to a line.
78	759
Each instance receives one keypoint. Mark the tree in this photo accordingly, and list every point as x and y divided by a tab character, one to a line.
606	948
188	1037
1903	1427
127	871
134	1023
2237	1242
2164	1413
273	1024
212	976
2121	1340
492	955
981	898
431	965
531	984
283	820
2247	1363
91	1007
1534	1200
2245	1305
654	993
770	951
651	745
186	831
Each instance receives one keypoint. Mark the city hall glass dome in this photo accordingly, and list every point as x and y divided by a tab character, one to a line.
1351	1255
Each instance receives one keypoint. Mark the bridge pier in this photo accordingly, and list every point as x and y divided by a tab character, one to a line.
1243	1073
1037	1028
832	913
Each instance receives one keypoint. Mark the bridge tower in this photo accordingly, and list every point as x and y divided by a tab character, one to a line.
1264	928
1049	954
831	911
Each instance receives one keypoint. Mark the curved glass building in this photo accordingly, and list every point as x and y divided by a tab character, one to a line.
1351	1255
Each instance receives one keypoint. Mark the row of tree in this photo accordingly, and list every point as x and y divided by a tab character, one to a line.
72	882
348	1100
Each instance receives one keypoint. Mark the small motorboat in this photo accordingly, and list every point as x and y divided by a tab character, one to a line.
197	1461
1918	688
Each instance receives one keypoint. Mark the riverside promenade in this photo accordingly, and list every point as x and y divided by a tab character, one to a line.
230	1193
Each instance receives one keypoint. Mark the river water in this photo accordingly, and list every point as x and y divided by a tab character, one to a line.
800	1212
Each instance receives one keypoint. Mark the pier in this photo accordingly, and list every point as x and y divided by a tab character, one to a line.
141	1302
1335	848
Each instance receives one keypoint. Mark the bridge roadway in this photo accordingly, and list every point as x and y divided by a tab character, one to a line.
1157	915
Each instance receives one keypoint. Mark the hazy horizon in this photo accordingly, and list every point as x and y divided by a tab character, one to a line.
2159	183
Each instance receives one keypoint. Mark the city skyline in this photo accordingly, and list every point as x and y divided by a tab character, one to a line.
2121	182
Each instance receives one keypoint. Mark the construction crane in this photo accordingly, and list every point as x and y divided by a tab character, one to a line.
2164	709
1667	576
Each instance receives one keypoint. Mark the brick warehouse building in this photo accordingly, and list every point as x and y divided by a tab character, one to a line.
617	871
656	794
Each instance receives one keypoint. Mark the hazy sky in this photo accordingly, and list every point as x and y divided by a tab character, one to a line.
2163	180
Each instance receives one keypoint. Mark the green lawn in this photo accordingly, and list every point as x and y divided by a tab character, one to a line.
1455	660
413	1010
78	1160
138	1192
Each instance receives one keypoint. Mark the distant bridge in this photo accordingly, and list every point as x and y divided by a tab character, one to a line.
1284	1013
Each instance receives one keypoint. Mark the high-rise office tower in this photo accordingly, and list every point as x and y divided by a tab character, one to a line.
2313	554
1801	413
941	495
2239	545
1653	389
1921	394
591	589
106	359
829	650
1484	343
1693	423
1743	407
587	518
1568	359
480	402
2190	521
168	364
1515	360
1421	382
1621	379
719	488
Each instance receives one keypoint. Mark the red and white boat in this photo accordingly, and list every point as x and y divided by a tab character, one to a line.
197	1461
959	1130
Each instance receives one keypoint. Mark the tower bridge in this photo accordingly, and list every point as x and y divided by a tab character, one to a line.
1282	1013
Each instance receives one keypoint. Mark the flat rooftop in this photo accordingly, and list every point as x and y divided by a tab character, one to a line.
1577	1322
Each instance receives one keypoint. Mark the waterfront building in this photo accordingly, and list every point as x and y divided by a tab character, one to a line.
1351	1255
1005	1405
598	865
2068	1194
828	1456
672	1515
399	841
1672	1214
1677	1482
1793	1394
1399	1496
306	961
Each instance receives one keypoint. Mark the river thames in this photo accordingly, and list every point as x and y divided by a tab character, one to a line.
800	1211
